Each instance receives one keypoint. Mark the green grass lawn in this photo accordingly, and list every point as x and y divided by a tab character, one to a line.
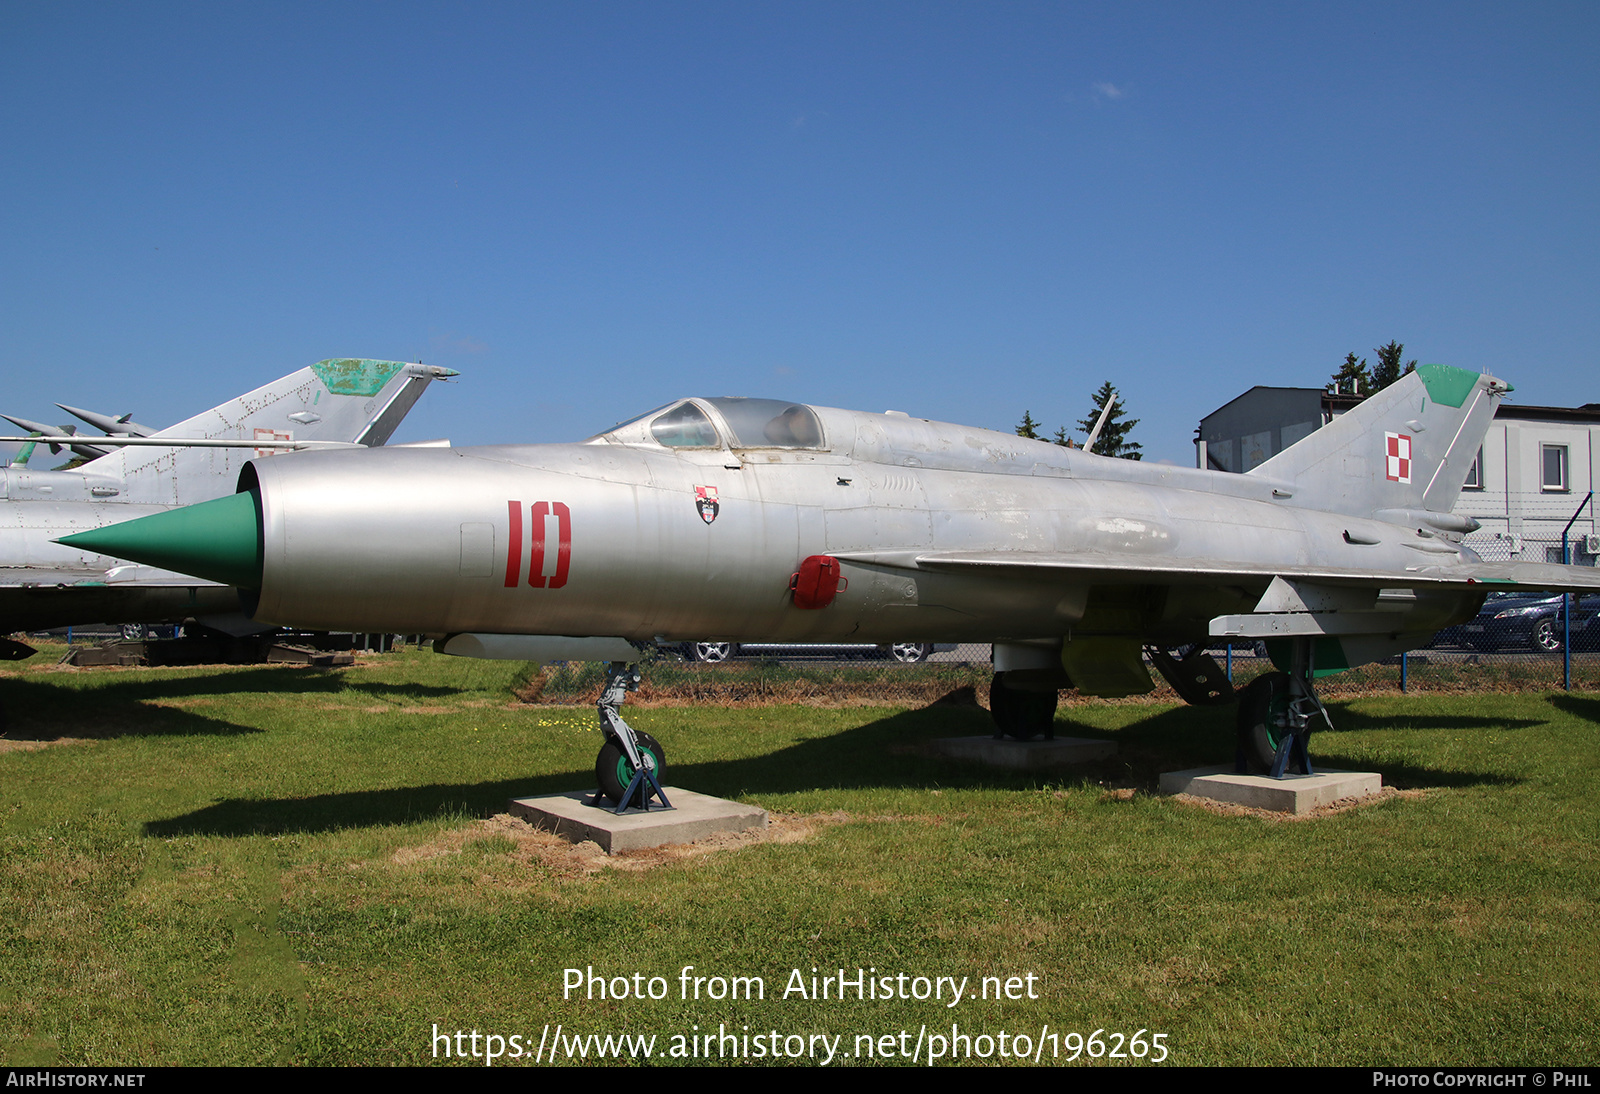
275	865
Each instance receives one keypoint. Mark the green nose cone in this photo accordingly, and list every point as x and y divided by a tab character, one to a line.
218	540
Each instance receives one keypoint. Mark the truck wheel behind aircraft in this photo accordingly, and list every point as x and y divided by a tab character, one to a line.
910	652
1261	705
1021	714
711	652
1547	635
613	771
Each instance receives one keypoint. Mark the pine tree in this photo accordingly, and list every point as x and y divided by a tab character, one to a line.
1113	439
1388	369
1352	378
1029	428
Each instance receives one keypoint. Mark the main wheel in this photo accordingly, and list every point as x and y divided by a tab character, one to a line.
1261	706
613	771
711	652
910	652
1021	714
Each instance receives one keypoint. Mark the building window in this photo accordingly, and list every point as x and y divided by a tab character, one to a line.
1475	472
1553	469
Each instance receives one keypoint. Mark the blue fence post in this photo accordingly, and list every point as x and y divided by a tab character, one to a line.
1566	625
1403	657
1567	598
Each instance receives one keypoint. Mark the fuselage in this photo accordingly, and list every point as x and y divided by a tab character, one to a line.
624	535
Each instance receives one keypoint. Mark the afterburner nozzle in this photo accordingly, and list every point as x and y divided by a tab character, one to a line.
218	540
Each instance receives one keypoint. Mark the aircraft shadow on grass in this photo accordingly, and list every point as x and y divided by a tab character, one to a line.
136	705
1586	707
889	753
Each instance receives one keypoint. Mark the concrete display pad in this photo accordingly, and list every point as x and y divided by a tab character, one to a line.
693	817
1024	755
1291	794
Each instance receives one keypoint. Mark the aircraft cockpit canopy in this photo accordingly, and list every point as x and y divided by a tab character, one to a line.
769	423
748	423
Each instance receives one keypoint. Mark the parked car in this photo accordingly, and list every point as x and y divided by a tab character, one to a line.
1522	621
908	652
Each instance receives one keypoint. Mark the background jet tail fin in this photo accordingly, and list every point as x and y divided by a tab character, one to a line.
347	399
1407	447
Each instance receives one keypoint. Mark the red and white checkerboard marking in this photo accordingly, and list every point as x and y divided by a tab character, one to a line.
272	435
1399	457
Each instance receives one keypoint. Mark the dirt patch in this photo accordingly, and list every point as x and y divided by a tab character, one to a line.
8	745
739	686
804	693
390	708
1343	805
182	703
535	846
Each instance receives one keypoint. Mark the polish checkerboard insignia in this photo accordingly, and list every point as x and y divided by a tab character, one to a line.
1398	457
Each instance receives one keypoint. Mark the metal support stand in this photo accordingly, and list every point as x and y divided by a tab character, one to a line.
621	678
1303	704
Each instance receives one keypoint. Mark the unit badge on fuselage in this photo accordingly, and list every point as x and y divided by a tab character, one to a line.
705	500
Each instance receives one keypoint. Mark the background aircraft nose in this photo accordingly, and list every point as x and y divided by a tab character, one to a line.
219	540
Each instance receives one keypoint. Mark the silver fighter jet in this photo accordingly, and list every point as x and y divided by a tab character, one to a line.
45	584
755	519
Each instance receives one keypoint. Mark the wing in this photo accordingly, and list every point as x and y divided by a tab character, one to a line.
1122	569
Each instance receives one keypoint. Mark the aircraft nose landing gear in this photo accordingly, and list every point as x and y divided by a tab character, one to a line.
630	763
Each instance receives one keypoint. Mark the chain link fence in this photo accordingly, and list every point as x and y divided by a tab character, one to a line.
963	675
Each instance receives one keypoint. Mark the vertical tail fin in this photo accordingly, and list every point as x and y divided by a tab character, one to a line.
1406	448
348	399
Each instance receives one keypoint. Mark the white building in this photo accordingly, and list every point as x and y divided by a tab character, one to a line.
1532	475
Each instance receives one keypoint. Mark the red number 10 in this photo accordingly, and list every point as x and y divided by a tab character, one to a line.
537	512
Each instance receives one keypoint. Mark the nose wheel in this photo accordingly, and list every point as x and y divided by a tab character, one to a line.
630	763
616	773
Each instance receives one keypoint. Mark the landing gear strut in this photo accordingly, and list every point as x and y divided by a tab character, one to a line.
630	763
1194	674
1276	712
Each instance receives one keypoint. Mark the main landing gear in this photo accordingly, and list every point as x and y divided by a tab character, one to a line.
630	763
1276	712
1023	714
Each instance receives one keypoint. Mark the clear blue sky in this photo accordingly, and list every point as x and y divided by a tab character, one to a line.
958	210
